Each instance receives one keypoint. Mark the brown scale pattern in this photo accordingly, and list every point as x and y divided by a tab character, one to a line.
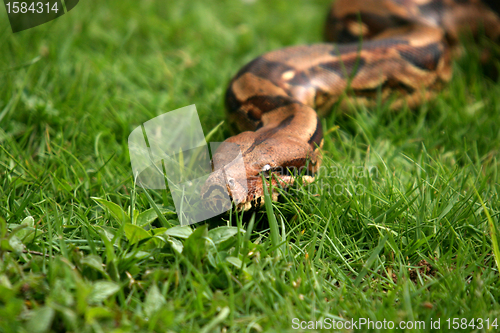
398	48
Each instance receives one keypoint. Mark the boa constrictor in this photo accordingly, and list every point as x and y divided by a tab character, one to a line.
394	50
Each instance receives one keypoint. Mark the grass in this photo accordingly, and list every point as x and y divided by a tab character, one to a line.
399	226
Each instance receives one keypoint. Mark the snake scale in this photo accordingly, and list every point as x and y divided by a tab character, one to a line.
399	51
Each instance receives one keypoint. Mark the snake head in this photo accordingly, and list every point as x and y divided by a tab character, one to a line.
238	170
228	181
241	185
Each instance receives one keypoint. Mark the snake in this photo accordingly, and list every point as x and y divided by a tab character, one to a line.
392	51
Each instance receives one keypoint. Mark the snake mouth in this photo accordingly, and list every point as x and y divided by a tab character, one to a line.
277	182
218	199
243	189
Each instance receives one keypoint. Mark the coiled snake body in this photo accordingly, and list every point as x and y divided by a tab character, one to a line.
396	50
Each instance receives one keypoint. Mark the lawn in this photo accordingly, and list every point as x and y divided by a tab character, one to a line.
402	224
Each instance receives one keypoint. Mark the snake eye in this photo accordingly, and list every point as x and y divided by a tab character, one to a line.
230	181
